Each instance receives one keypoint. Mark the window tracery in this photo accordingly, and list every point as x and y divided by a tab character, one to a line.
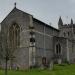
14	35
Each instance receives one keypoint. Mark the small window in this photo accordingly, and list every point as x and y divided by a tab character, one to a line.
32	39
68	33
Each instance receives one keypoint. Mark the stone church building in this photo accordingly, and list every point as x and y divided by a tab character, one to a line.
27	40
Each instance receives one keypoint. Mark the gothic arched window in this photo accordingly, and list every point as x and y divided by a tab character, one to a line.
58	49
14	35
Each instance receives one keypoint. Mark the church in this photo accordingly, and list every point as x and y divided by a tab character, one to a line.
27	41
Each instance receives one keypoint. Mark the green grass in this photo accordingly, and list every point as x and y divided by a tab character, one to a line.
58	70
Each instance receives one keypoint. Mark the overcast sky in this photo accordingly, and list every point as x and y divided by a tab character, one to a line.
47	11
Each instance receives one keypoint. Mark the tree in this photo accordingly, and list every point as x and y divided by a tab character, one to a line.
5	50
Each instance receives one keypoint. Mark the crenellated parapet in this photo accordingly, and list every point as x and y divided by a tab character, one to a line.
66	30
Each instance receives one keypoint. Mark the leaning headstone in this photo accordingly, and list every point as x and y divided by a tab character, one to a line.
59	61
51	65
42	67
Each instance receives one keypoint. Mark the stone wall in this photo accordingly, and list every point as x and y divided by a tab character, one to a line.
23	20
44	41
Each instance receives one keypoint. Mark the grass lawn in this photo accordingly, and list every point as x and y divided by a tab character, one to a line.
58	70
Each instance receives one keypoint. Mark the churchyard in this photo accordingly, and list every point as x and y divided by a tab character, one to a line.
65	69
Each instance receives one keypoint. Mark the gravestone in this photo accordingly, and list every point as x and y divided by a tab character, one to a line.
51	65
59	61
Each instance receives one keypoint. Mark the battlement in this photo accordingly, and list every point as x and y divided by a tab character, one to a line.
68	26
61	25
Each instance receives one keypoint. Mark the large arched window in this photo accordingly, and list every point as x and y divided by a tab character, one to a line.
14	35
58	49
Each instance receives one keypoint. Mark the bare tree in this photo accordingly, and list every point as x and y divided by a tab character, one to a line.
5	50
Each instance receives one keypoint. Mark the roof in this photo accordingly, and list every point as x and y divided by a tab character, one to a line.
16	9
45	24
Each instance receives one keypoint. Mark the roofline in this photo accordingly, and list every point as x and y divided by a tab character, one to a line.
12	10
45	24
33	19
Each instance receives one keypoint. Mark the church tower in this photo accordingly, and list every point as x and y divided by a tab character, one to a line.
60	23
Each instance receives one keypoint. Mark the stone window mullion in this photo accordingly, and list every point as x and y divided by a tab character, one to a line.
14	36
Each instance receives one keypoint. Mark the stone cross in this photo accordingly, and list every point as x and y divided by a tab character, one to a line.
15	4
